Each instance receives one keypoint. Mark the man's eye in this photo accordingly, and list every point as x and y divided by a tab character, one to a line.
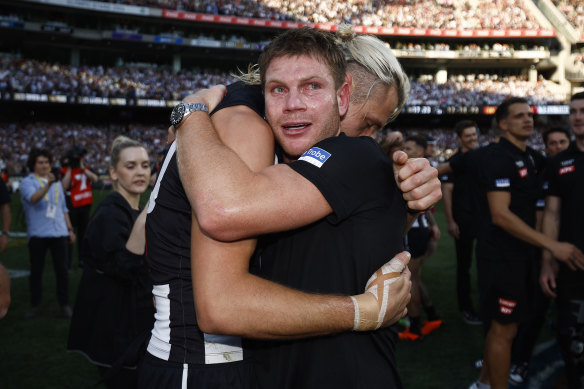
278	89
313	85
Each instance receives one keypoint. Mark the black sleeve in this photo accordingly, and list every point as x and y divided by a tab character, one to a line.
347	172
458	163
240	93
499	171
550	185
105	245
4	196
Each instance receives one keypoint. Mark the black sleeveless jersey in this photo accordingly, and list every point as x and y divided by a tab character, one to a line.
176	336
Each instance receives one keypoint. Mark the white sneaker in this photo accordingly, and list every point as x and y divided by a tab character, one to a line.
518	373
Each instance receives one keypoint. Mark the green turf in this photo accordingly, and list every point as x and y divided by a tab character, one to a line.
33	355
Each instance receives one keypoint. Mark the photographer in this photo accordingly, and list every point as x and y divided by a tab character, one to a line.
77	180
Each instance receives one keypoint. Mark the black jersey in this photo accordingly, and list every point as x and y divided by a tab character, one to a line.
176	336
509	169
336	255
565	179
464	194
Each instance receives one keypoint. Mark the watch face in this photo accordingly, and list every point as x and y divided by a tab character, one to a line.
177	114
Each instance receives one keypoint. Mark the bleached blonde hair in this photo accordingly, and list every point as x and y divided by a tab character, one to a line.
371	62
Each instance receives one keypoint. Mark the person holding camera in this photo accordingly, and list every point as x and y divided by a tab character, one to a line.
48	228
77	180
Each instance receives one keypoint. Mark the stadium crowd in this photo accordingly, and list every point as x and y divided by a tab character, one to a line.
504	14
573	11
32	76
17	140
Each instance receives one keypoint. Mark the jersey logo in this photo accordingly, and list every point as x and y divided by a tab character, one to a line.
519	164
315	156
502	183
566	169
567	162
506	307
523	172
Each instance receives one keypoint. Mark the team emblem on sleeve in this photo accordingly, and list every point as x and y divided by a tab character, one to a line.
315	156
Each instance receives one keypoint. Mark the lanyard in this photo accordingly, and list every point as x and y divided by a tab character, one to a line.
47	194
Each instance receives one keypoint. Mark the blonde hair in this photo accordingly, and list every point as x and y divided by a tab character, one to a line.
120	143
251	77
371	62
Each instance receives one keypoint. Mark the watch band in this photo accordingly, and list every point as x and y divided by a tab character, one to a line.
182	110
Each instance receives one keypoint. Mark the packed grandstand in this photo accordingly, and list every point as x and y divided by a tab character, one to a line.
463	58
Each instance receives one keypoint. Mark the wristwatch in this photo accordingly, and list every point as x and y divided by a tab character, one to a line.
182	110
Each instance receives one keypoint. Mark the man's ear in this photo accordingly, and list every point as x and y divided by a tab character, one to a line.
344	95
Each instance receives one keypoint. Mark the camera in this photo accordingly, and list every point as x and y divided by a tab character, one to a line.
73	157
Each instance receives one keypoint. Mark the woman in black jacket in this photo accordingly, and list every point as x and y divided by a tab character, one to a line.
113	312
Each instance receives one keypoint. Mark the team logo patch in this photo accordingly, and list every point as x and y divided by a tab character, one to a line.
506	307
519	164
315	156
523	172
567	162
502	183
566	170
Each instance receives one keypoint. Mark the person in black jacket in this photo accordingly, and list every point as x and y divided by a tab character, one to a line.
114	312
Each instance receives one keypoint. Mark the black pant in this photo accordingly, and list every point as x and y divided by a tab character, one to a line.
463	247
122	379
529	330
79	219
37	248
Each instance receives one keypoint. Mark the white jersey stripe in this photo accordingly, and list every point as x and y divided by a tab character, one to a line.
154	193
159	344
185	376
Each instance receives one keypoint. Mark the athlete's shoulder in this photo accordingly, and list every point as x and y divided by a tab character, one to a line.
240	93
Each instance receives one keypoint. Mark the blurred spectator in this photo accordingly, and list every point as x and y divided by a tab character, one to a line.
114	312
48	227
77	180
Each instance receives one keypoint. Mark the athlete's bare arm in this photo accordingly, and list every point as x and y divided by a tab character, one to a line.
232	202
228	299
551	228
503	217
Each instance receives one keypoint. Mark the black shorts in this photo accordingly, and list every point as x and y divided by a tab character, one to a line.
417	241
506	290
155	373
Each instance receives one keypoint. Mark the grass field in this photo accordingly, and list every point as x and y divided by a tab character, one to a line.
33	355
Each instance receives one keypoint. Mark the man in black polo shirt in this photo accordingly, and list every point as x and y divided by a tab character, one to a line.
564	219
460	215
506	251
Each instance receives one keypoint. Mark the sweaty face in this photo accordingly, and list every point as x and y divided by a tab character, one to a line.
469	139
556	142
519	122
364	118
302	104
577	117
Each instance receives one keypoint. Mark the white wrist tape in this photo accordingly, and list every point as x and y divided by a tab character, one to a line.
371	306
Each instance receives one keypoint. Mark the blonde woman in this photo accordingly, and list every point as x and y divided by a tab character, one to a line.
113	311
